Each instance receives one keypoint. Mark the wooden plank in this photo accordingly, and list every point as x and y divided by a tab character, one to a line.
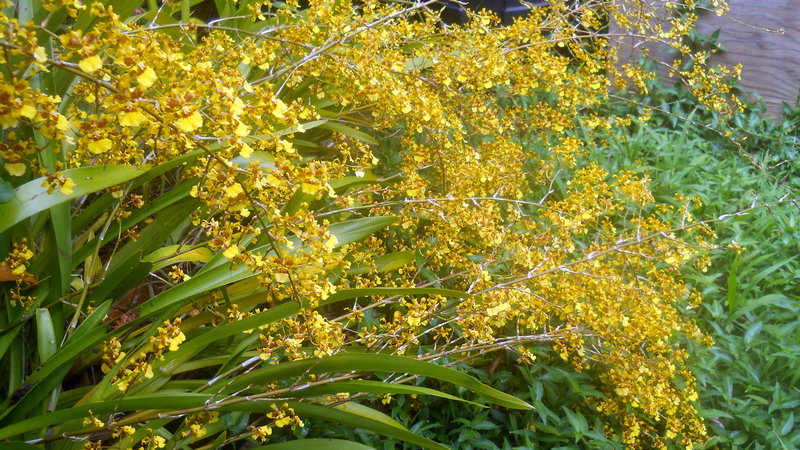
749	32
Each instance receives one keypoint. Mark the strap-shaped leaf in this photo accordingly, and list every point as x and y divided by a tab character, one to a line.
349	132
173	254
32	198
222	274
88	334
374	387
170	402
169	198
235	328
316	444
367	362
342	416
45	334
384	263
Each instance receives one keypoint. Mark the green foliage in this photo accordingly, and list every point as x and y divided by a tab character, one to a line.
102	337
98	280
561	418
748	380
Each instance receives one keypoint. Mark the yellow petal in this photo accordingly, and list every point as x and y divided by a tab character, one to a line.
8	121
237	107
147	78
190	123
286	146
15	169
40	54
242	130
62	123
332	242
68	187
100	146
273	181
246	151
132	119
234	190
231	252
280	109
310	189
281	277
91	64
28	111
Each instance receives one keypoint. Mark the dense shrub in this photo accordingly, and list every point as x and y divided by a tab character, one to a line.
213	236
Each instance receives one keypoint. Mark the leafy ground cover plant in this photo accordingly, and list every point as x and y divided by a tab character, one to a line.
748	379
215	236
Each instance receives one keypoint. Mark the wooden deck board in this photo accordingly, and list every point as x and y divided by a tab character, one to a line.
749	33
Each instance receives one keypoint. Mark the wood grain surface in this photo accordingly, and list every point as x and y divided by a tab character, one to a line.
762	35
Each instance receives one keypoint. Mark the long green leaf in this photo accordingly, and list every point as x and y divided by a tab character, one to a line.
316	444
357	229
62	233
173	402
733	284
174	195
349	132
349	362
197	285
232	329
374	387
345	232
342	417
45	334
384	263
101	205
370	413
88	334
32	198
7	338
21	446
770	300
221	273
133	403
247	294
154	234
